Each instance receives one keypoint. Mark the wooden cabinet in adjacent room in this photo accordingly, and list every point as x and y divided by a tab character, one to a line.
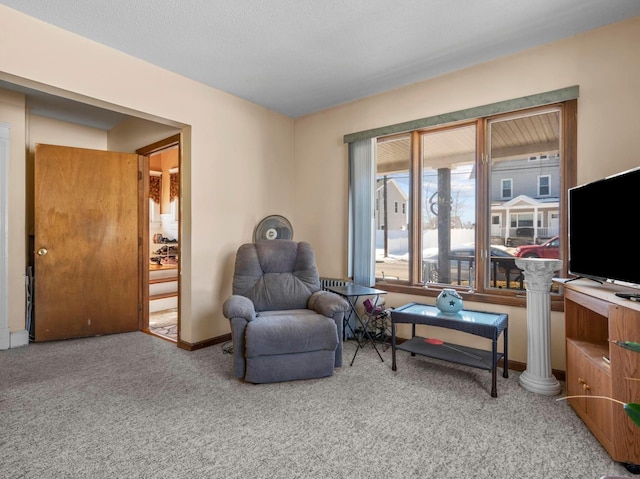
596	366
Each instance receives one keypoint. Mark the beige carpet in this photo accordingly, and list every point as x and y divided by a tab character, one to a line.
130	406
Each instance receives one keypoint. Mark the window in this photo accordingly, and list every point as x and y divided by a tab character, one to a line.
393	159
448	204
506	188
175	209
154	211
522	220
473	195
544	183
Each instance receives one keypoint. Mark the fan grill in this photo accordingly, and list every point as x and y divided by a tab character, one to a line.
273	227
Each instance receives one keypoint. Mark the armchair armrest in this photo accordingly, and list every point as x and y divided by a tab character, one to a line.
239	310
332	306
327	303
239	307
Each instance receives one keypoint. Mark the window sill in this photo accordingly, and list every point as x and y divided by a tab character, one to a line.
516	299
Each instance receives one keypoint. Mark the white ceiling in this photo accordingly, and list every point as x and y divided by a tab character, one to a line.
302	56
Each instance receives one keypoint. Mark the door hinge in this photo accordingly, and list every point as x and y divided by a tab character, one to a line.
139	306
139	175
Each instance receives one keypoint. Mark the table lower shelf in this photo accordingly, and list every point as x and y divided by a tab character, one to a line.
476	358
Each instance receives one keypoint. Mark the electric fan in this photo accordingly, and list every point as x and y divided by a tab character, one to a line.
273	227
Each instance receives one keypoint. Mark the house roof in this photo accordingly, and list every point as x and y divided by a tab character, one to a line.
302	56
525	202
391	182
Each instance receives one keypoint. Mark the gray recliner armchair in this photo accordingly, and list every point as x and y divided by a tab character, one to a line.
283	326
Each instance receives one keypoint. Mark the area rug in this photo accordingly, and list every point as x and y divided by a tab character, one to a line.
164	323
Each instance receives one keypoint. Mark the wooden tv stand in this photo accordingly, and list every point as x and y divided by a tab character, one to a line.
594	316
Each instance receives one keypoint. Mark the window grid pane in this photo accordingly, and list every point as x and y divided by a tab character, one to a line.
448	205
393	161
525	154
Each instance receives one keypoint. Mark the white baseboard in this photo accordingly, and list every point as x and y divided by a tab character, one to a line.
19	338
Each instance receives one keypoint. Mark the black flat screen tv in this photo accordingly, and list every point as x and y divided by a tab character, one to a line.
603	231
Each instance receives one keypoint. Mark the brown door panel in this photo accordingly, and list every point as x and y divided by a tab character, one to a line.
86	242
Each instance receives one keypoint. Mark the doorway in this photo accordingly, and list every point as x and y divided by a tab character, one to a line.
161	202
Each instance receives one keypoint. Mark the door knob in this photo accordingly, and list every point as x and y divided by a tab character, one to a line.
42	251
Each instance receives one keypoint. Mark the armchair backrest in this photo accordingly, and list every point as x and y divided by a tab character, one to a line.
276	274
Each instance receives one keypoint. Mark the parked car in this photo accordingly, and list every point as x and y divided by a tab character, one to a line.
503	266
548	249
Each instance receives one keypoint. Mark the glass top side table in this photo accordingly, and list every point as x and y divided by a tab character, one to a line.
479	323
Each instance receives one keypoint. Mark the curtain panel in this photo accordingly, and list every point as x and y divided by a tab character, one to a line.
174	186
362	181
155	186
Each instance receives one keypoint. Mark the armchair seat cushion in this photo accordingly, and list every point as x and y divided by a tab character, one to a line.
289	332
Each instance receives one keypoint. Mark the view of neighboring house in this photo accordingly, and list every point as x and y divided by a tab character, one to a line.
525	198
394	217
525	195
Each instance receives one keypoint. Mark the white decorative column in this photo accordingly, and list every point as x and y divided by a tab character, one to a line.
538	377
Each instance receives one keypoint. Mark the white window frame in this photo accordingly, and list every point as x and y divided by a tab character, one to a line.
548	186
502	188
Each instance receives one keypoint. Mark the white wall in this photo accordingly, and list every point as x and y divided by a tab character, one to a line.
604	63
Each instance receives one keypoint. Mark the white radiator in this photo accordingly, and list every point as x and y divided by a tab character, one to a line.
328	282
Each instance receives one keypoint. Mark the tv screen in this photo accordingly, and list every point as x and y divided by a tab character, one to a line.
603	238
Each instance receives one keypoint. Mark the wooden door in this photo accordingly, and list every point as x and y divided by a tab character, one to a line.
86	258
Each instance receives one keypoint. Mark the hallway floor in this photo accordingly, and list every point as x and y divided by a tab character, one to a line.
165	323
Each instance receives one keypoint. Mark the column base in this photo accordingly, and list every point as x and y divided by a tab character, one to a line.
537	384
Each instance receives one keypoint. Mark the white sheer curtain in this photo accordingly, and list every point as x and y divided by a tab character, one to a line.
362	180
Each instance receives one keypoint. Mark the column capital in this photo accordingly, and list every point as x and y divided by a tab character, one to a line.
538	272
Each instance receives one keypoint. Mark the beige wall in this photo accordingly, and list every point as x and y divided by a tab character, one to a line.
42	130
237	156
12	108
604	63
